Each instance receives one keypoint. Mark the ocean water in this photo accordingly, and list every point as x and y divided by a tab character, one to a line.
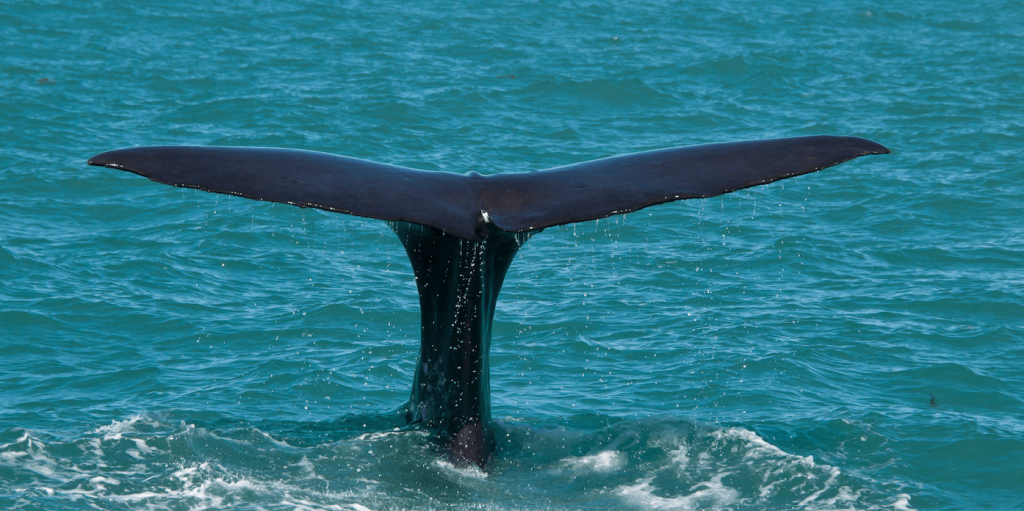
850	339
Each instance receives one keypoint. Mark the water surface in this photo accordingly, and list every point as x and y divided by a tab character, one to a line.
777	348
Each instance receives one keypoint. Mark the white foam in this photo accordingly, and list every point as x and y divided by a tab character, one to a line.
760	448
712	494
307	467
141	445
604	461
833	473
737	468
115	429
99	482
135	497
471	471
24	436
41	463
12	455
97	448
844	496
189	471
373	437
817	485
902	503
205	485
196	484
680	457
306	505
141	449
275	441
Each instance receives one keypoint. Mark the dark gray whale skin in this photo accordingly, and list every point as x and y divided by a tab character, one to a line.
461	232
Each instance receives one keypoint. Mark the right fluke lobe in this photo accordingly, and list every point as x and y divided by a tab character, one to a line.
621	184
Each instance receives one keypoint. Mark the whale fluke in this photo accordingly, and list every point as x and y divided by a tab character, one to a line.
463	204
462	232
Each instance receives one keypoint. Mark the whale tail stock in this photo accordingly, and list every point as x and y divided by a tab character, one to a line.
461	232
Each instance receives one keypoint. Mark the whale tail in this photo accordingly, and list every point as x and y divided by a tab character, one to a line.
462	205
461	232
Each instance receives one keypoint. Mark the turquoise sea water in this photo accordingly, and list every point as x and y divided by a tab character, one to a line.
777	348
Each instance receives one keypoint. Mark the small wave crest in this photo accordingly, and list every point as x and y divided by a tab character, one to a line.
674	464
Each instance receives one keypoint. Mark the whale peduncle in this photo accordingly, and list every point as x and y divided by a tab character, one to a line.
458	281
